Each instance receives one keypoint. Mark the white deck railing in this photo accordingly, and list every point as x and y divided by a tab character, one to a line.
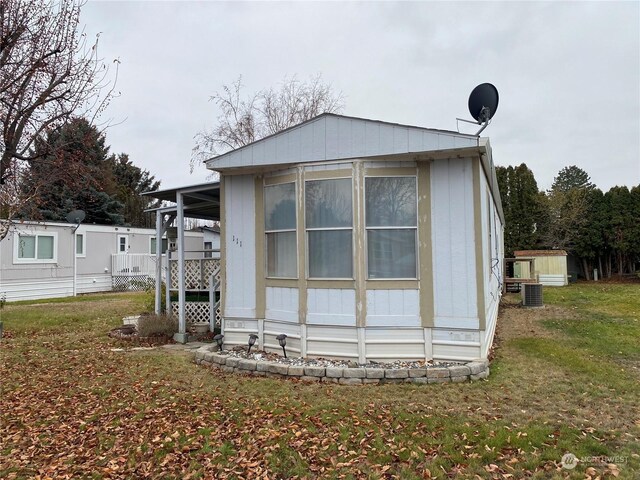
133	265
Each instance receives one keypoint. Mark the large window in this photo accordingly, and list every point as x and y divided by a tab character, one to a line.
280	230
35	248
391	220
329	224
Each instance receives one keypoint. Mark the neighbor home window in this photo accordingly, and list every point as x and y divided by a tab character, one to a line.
391	220
329	224
153	245
80	245
280	230
35	248
208	246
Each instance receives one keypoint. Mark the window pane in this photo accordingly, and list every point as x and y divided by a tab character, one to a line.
392	253
330	254
391	201
153	247
165	245
280	207
45	248
79	244
281	255
26	246
328	203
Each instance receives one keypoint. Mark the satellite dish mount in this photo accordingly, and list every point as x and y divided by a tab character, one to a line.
75	216
483	103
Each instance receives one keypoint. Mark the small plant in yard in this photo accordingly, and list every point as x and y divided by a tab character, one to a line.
157	325
150	297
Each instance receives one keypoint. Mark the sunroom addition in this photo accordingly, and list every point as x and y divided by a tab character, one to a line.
361	239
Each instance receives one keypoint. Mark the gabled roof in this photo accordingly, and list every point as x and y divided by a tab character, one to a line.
337	137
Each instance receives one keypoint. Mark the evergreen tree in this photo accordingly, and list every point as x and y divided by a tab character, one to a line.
75	171
567	207
131	182
521	203
570	178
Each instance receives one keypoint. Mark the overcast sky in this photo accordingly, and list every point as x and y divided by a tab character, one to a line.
568	73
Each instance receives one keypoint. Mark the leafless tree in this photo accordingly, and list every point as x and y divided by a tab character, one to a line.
243	120
49	70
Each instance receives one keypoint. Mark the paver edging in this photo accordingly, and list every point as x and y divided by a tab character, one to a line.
472	371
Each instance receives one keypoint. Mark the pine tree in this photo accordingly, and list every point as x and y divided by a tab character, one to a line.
522	207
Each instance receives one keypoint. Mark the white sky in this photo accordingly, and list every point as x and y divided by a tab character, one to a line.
568	73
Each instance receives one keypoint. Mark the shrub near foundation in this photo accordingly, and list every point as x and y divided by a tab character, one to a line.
157	325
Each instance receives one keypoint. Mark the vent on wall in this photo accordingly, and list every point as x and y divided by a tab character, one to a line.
532	295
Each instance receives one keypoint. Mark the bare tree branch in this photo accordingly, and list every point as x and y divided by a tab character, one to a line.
49	71
245	120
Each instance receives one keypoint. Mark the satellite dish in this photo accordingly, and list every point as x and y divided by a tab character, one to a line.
75	216
483	102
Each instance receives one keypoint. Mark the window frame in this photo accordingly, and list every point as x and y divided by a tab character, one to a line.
126	244
267	232
394	227
153	237
35	260
83	254
347	176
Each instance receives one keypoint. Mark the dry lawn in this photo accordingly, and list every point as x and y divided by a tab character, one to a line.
563	379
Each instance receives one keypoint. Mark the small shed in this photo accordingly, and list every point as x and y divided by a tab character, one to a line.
550	266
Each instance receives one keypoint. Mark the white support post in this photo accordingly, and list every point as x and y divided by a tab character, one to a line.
75	262
168	285
182	321
158	304
212	304
428	344
362	348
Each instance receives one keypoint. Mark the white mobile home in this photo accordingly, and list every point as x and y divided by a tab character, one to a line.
47	259
362	239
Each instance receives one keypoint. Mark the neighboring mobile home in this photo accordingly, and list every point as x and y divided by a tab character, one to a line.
362	239
37	258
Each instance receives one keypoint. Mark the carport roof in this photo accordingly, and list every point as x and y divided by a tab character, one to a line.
200	201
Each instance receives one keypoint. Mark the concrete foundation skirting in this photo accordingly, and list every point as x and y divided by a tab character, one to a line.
476	370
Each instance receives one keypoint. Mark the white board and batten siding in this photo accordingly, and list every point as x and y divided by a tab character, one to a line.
331	306
282	304
240	238
456	320
393	308
492	263
332	137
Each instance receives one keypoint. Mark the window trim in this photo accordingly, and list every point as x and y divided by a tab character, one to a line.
16	247
84	245
126	237
394	227
153	237
274	182
330	175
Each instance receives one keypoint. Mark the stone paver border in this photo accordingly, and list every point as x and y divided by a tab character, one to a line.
476	370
